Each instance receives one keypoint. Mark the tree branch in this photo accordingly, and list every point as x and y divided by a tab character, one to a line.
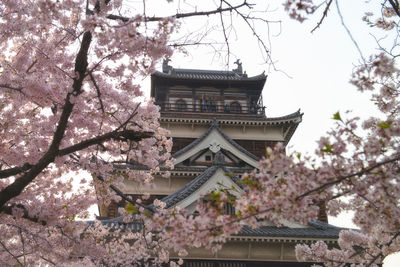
9	252
14	171
225	35
8	209
342	178
246	20
183	15
19	184
124	196
117	135
395	6
349	33
98	91
323	16
7	86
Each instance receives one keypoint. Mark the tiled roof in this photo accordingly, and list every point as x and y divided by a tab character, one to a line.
193	185
291	120
316	229
193	74
214	125
189	188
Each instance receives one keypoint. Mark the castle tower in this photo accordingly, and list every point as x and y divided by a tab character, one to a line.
218	124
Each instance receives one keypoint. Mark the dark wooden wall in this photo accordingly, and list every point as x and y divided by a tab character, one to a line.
257	148
180	142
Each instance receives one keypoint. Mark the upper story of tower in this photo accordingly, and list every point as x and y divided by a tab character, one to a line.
207	93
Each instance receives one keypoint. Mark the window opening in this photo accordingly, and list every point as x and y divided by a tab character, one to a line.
235	107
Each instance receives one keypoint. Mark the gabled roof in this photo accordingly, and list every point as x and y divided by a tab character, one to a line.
197	183
189	188
229	144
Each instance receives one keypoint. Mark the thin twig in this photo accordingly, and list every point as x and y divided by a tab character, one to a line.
183	15
254	32
23	244
98	91
224	32
47	260
9	252
349	33
323	16
336	181
123	195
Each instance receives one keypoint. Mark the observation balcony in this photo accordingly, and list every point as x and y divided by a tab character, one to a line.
216	107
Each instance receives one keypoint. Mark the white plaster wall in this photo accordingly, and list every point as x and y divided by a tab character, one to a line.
267	133
216	137
161	186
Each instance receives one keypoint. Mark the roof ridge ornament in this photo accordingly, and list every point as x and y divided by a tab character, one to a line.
214	122
165	67
239	69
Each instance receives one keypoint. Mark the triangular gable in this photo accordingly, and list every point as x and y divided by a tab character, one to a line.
217	177
213	178
204	157
215	140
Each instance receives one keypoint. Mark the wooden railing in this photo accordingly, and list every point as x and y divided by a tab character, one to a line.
212	108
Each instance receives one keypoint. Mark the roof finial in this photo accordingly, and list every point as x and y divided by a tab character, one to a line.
165	67
214	122
239	69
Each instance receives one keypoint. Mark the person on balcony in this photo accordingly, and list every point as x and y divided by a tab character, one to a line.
213	105
253	107
203	104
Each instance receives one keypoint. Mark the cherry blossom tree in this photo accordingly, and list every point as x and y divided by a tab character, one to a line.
358	162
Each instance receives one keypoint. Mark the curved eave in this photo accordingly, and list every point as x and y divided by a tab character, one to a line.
284	239
290	122
295	117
